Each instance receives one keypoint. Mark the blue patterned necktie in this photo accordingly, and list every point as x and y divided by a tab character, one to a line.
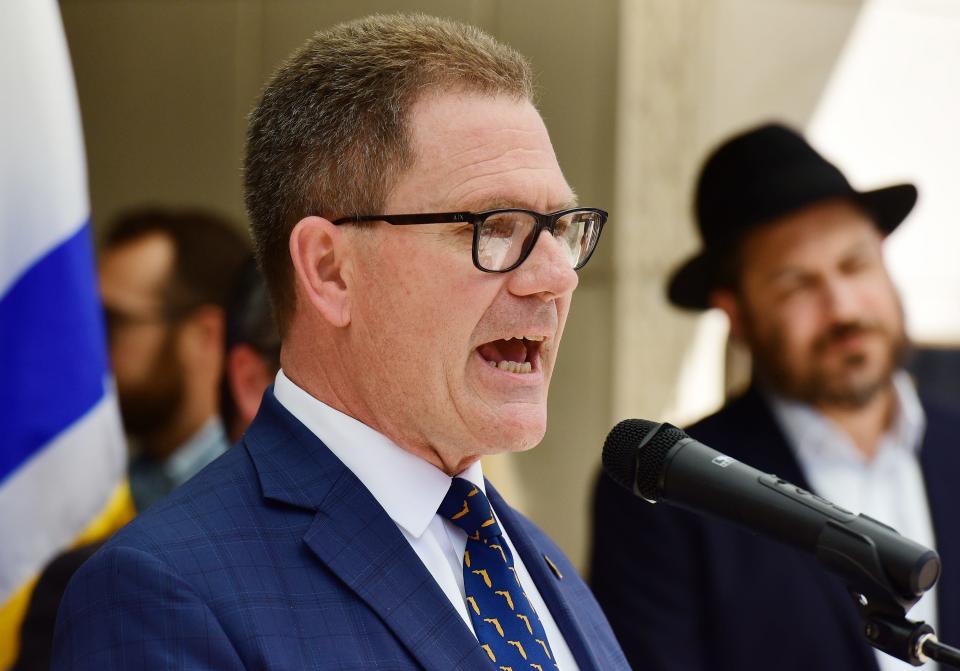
503	618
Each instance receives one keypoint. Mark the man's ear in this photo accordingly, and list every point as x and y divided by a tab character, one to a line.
729	302
319	253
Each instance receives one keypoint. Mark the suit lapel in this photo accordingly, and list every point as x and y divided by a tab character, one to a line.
547	583
761	443
354	538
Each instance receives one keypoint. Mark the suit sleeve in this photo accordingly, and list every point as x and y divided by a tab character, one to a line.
125	609
644	572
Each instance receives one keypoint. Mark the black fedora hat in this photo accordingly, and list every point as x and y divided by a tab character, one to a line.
756	177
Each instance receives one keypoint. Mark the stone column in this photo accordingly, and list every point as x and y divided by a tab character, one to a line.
662	47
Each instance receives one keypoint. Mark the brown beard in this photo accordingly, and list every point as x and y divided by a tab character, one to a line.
848	387
150	408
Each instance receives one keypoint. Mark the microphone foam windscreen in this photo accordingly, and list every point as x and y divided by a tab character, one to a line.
627	464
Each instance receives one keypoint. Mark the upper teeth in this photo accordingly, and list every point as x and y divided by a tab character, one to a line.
535	338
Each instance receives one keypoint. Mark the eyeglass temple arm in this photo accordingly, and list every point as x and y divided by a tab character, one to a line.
410	219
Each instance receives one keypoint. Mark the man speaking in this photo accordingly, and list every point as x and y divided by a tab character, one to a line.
420	244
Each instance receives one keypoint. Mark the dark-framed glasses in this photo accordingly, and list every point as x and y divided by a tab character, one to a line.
504	238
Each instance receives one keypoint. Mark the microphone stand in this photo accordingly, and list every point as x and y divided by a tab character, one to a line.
941	652
882	605
888	629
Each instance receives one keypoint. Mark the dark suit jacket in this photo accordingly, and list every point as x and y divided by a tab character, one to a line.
687	593
277	557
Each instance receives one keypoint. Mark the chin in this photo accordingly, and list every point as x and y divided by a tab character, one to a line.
516	431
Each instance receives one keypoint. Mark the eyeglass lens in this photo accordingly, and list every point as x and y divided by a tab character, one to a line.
505	237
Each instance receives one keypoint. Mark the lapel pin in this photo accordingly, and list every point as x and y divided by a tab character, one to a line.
553	567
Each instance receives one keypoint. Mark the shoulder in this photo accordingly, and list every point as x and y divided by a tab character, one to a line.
128	604
744	428
746	407
197	528
942	426
227	485
939	413
180	575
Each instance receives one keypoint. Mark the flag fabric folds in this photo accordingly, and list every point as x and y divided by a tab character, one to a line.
62	452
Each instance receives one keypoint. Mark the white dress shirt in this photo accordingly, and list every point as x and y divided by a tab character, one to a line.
888	487
410	491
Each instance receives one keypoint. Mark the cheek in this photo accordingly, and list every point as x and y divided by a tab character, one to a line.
804	320
132	353
884	304
422	311
792	331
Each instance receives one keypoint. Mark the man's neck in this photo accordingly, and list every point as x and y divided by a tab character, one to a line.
321	390
866	424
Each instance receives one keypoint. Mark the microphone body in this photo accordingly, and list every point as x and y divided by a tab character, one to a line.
661	463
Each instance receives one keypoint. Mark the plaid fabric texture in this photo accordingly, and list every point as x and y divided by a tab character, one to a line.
276	557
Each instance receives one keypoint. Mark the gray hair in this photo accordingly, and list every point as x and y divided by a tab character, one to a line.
330	134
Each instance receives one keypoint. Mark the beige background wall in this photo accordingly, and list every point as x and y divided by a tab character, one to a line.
633	94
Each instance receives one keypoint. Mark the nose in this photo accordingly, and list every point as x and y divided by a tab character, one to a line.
841	299
547	272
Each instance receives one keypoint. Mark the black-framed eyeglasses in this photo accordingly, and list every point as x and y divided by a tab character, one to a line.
504	238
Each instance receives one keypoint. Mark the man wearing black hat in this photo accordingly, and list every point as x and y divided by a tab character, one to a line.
793	255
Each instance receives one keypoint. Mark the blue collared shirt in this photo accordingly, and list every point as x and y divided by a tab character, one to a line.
151	480
888	486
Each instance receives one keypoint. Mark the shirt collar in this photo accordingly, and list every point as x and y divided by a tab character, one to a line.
911	422
409	488
812	435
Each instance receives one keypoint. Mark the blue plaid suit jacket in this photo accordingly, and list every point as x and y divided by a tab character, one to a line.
277	557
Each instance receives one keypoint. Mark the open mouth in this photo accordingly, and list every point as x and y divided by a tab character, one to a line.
516	354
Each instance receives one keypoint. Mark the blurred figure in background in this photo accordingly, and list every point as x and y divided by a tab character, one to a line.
165	276
251	360
252	351
793	255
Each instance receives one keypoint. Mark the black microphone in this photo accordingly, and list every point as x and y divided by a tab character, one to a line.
659	462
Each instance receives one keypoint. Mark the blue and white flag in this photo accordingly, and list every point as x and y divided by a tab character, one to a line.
62	452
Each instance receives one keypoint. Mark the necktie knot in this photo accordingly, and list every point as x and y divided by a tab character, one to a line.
469	508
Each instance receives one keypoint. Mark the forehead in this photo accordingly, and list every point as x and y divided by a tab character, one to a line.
819	234
134	273
476	152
